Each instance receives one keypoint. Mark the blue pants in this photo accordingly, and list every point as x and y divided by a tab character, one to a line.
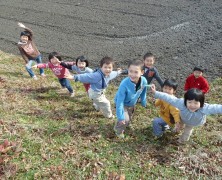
159	126
65	83
29	65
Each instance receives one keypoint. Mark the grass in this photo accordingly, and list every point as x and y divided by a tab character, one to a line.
53	136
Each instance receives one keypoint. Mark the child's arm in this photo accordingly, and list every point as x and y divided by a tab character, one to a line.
158	78
86	78
23	55
143	97
120	104
168	98
40	66
212	109
66	65
26	28
205	86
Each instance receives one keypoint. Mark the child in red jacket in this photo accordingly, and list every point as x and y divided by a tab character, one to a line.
196	80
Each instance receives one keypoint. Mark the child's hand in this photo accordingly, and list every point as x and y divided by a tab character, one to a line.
57	61
35	66
69	77
21	25
122	122
153	88
177	127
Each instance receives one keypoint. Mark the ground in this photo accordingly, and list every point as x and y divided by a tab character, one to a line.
181	34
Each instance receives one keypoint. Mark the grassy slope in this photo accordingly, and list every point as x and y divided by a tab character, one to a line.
59	137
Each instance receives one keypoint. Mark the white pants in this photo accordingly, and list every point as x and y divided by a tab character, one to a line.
102	103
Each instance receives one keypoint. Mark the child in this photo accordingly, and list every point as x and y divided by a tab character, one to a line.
29	51
150	71
196	80
81	67
99	81
169	115
58	70
192	108
130	89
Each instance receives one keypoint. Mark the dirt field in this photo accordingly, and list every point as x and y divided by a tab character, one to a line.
182	34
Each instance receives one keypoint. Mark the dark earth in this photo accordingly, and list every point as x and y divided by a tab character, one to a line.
181	33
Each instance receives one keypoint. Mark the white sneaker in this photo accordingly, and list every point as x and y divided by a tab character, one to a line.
72	94
35	77
43	75
111	116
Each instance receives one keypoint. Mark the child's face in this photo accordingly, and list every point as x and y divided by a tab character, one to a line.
134	73
24	38
169	90
193	105
54	61
149	61
81	64
107	69
197	74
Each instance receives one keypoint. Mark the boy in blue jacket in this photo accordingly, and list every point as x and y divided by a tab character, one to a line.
99	81
130	89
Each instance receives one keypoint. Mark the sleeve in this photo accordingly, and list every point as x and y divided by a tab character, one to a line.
174	101
30	31
205	86
89	70
23	54
158	78
114	74
121	94
143	97
90	78
187	84
65	65
175	113
212	109
42	65
158	102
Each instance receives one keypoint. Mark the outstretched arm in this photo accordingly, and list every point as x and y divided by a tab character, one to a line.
26	28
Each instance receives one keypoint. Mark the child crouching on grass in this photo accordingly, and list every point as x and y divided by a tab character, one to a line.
58	70
169	115
193	110
99	81
130	89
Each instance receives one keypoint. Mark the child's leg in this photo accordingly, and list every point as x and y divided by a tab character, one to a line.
186	133
68	85
120	127
39	60
29	68
158	126
101	102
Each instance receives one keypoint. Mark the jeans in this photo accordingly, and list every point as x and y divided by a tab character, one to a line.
29	65
65	83
159	126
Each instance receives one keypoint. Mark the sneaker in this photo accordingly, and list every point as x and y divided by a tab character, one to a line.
121	136
96	107
72	94
43	75
35	77
111	117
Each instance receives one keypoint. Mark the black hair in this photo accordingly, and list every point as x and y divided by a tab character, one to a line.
136	63
198	68
82	59
171	83
194	94
106	60
148	54
26	33
54	54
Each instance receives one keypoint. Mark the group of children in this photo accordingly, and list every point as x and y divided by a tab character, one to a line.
176	113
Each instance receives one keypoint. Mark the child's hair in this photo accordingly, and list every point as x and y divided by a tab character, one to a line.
54	54
106	60
194	94
171	83
149	54
26	33
82	59
136	63
198	68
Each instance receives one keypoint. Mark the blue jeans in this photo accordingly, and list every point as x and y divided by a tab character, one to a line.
159	126
29	65
65	83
